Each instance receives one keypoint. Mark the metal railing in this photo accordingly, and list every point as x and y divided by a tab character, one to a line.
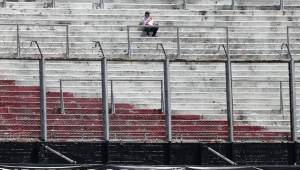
166	87
166	83
18	36
281	4
98	44
184	4
4	3
112	99
43	99
177	36
233	4
280	85
101	4
139	26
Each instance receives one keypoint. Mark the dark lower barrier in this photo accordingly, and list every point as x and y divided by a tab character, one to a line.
116	167
173	154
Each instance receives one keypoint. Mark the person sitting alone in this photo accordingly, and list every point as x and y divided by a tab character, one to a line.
149	26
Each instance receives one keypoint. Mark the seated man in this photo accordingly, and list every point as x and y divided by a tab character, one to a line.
148	22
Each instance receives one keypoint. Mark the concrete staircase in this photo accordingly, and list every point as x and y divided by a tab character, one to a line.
198	90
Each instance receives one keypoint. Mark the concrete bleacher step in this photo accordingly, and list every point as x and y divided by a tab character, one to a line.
194	100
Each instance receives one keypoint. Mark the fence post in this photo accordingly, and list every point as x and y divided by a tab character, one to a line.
233	4
18	41
282	5
113	110
292	91
4	4
178	43
67	42
167	98
292	99
129	42
162	96
101	4
229	97
62	105
281	100
184	4
105	107
43	100
53	3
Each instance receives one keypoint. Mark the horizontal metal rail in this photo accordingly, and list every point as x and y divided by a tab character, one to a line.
165	26
62	105
281	4
35	25
40	25
154	60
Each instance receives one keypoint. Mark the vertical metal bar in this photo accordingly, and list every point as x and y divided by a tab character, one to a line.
233	4
162	96
4	4
113	110
129	42
43	100
178	43
18	41
288	36
229	97
53	3
292	99
105	99
67	42
282	5
184	4
102	4
62	105
292	91
167	98
281	99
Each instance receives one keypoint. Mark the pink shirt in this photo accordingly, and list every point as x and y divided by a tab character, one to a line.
148	21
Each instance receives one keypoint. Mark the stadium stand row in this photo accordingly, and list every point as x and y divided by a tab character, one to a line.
198	92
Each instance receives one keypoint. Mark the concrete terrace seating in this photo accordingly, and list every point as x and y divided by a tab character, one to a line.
198	102
198	90
160	4
262	40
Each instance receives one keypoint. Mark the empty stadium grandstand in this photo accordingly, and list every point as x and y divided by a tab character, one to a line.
220	79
